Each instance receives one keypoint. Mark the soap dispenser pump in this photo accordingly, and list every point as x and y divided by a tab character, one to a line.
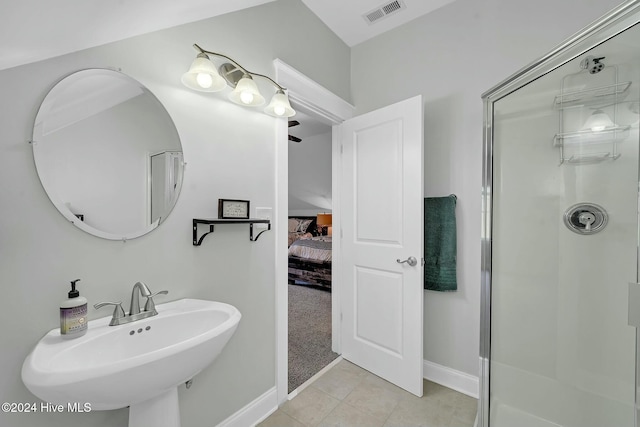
73	314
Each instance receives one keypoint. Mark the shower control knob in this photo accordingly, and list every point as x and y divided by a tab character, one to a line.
586	218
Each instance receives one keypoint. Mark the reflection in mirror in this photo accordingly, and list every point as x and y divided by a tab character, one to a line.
108	154
166	168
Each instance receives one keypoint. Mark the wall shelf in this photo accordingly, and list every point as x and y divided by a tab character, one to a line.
212	222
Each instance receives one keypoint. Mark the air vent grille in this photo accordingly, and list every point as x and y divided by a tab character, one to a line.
383	11
391	7
375	15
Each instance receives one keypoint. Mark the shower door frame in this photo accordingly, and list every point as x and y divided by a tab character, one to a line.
612	24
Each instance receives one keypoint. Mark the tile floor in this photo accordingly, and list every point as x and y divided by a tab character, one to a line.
349	396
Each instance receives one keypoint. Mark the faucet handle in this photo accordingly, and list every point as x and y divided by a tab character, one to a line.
118	311
150	305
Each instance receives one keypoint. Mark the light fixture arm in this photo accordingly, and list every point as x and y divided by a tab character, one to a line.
244	70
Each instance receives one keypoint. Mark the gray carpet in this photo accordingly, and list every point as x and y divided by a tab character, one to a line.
309	333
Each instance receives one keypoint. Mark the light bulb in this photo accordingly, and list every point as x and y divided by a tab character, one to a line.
246	97
279	105
203	76
204	80
597	128
246	93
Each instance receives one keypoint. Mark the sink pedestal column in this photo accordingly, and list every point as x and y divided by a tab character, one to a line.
161	411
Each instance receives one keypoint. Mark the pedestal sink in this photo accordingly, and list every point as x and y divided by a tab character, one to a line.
139	364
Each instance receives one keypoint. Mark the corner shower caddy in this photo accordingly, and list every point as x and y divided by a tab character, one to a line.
593	98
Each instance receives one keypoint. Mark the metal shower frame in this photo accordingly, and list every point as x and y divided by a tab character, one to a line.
615	22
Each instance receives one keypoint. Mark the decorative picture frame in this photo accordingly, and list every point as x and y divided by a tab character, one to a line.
233	209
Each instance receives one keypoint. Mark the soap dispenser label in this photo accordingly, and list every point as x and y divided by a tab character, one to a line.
73	320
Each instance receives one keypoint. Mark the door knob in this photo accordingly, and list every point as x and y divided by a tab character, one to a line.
412	261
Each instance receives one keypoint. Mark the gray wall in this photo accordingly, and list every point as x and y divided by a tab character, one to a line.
310	175
451	57
229	152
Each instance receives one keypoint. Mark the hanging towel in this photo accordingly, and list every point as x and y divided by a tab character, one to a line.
440	243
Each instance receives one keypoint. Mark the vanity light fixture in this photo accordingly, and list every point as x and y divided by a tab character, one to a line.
204	76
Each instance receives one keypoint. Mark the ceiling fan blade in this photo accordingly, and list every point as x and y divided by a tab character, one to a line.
294	138
293	123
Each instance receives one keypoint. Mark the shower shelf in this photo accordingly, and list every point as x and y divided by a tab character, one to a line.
577	141
612	135
584	159
599	95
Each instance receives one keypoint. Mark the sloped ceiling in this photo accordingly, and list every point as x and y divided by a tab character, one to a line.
33	30
346	18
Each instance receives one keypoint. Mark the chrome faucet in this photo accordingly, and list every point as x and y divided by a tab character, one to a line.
119	317
138	288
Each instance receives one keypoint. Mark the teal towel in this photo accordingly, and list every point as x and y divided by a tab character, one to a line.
440	243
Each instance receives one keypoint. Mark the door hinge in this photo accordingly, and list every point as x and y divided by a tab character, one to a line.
634	305
341	148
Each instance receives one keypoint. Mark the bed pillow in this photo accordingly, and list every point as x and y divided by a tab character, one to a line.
293	225
304	224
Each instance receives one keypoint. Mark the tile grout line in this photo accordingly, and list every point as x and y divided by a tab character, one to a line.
365	411
438	398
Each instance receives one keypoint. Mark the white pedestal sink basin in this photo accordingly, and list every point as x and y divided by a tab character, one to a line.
139	364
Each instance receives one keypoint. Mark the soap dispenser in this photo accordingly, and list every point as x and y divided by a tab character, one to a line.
73	314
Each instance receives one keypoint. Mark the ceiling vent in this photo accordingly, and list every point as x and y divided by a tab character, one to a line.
383	11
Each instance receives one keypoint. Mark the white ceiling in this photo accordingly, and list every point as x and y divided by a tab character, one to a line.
309	126
345	18
32	30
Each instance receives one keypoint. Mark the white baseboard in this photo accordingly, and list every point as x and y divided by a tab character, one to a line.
255	412
456	380
266	404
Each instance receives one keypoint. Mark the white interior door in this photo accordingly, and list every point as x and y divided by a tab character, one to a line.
382	225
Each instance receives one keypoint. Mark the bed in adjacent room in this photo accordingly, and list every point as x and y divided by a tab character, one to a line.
309	253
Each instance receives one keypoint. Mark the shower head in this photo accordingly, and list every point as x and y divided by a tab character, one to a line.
592	64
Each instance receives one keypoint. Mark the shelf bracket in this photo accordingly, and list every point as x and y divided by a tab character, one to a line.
253	239
197	241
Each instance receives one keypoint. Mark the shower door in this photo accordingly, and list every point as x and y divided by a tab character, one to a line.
561	237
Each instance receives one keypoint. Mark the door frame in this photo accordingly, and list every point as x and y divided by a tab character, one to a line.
311	98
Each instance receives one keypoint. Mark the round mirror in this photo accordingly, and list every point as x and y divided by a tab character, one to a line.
108	154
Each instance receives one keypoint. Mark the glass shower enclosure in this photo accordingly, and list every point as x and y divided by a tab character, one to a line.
560	299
